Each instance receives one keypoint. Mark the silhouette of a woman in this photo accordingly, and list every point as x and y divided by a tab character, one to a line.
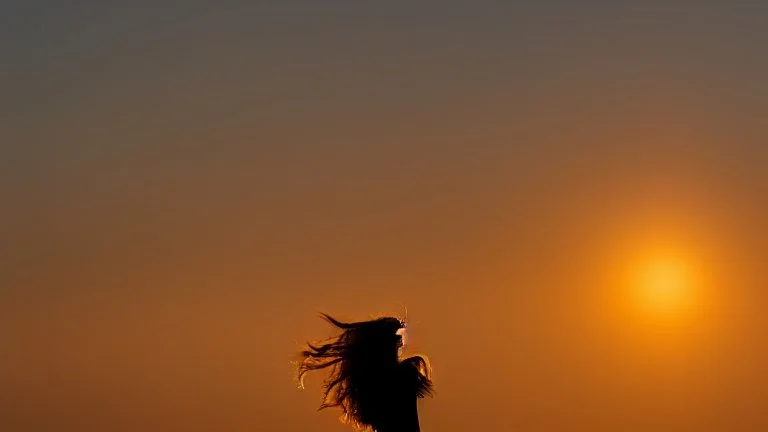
375	388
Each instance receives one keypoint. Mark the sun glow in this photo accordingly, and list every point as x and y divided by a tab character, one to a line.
664	286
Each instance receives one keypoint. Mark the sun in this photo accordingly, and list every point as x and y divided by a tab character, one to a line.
664	285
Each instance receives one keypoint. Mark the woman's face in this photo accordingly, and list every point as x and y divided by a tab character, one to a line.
402	337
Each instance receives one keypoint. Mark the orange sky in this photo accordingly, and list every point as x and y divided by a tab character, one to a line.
186	187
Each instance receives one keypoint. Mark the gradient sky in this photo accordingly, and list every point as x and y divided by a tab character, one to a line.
182	188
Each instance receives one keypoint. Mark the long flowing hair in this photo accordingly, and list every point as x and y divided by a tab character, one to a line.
365	367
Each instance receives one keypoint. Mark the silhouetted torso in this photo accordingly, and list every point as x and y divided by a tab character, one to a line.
397	401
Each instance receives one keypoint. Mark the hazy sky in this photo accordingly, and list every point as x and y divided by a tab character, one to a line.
182	188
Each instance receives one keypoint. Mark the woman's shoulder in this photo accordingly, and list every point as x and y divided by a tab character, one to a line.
415	373
417	364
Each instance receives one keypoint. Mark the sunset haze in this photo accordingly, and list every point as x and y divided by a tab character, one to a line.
184	188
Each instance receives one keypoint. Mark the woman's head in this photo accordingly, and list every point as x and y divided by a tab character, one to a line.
361	346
